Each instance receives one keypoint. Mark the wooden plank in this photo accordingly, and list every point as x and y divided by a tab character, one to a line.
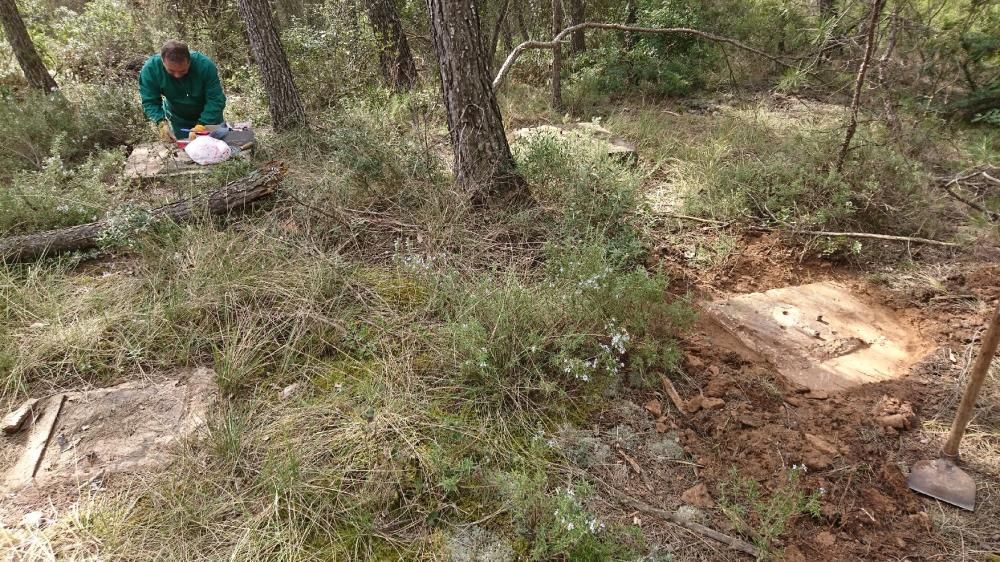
26	467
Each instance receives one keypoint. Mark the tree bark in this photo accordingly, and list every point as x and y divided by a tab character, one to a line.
20	42
283	101
394	55
484	166
577	15
491	46
234	197
557	18
859	81
521	27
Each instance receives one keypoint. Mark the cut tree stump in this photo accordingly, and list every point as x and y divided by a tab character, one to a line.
233	197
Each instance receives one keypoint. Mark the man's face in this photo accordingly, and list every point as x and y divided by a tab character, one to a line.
177	69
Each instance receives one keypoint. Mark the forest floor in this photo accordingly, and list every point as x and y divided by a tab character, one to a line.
805	475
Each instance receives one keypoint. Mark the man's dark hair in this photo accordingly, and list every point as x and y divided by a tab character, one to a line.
175	51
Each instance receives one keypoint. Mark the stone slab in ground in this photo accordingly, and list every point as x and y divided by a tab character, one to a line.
165	160
122	429
822	336
587	133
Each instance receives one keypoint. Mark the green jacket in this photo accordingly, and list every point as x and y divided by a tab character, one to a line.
196	98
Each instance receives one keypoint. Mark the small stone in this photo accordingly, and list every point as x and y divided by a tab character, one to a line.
13	421
818	394
32	520
826	539
654	407
690	514
693	362
698	496
694	404
292	391
712	403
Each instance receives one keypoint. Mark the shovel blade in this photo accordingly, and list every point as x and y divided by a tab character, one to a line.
941	479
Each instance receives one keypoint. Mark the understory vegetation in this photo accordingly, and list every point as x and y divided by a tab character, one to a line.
437	348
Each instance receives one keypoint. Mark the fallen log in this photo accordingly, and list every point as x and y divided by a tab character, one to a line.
233	197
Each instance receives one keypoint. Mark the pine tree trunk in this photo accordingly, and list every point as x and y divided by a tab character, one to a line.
484	166
557	19
394	55
577	15
521	27
491	45
283	101
20	42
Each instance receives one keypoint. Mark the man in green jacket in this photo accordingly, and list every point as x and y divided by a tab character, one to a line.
180	89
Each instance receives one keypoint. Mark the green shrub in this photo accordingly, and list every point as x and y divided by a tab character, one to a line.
58	195
71	126
555	524
654	64
783	177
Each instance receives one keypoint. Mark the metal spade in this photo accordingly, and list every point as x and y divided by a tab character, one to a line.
941	478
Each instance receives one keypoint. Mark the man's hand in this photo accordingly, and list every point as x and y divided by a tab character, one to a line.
166	131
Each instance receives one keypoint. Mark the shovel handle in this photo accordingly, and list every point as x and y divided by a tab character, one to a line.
979	370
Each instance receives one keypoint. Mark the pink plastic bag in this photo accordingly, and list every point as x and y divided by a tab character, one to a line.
205	150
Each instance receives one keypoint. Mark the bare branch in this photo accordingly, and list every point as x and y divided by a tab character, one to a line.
557	40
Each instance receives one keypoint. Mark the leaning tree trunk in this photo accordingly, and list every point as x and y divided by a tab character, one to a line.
578	42
283	101
394	56
484	166
20	42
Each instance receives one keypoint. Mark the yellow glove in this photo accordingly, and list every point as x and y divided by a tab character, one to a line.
199	128
166	131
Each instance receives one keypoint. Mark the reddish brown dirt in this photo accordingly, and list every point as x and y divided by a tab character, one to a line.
856	445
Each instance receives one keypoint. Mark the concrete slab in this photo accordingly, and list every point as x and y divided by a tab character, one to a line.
81	437
821	336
